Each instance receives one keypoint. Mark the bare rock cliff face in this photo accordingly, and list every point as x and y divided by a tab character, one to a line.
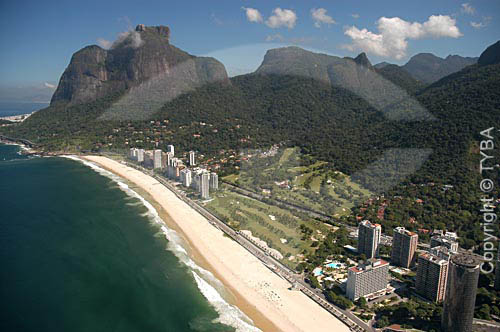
137	57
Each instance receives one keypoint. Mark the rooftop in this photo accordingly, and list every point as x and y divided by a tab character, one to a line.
466	260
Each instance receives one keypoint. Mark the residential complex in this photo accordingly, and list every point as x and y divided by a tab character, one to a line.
404	244
432	274
197	178
367	279
369	238
458	309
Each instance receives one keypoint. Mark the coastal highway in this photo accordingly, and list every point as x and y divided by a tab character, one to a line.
296	280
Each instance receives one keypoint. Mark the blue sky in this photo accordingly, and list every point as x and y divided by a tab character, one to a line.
39	37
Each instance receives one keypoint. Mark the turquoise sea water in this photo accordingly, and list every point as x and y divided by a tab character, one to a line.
81	252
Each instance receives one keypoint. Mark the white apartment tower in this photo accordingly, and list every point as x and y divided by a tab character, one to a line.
170	149
192	158
369	239
367	279
157	159
214	181
205	185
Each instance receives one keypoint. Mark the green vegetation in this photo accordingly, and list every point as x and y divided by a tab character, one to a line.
327	124
331	247
292	234
337	297
296	179
411	314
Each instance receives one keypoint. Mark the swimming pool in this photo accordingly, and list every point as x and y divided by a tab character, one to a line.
333	265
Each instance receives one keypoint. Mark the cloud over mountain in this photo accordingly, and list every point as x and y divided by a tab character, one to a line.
394	33
282	18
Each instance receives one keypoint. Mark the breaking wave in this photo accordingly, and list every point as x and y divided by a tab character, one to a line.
207	283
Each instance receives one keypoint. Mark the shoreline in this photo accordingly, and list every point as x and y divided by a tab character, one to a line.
257	291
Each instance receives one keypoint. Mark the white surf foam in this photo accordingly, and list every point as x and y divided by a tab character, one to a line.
207	283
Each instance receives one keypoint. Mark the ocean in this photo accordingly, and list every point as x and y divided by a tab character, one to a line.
82	251
13	108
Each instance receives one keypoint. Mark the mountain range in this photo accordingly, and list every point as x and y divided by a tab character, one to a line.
145	92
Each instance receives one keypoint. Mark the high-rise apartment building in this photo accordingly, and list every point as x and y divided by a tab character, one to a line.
214	181
461	289
205	185
192	158
404	244
170	149
432	274
157	159
186	177
369	238
367	279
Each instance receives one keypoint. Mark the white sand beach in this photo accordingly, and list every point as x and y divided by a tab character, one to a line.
264	292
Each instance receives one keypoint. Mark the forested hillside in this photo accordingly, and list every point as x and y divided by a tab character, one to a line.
328	123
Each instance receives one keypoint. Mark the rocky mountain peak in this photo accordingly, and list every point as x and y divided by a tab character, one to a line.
491	55
362	60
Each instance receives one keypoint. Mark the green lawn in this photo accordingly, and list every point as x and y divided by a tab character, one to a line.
249	214
305	184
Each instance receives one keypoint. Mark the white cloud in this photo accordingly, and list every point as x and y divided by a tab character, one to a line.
106	44
393	34
274	37
355	16
132	37
320	17
468	9
48	85
479	25
282	18
253	15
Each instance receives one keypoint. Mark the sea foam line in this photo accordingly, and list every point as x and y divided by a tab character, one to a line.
207	283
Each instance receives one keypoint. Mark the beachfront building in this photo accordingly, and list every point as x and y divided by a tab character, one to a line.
148	159
170	149
432	275
136	154
369	238
192	158
140	155
132	154
164	160
404	244
205	185
448	240
196	179
186	177
214	181
461	289
173	168
367	280
157	159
